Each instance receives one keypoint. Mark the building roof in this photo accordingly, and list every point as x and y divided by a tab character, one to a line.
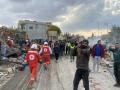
33	22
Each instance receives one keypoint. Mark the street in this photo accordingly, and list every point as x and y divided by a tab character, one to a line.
40	40
60	77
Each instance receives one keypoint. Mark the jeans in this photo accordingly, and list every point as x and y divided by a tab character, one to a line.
96	63
56	56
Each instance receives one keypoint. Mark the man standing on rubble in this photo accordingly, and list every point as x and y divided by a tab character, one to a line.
82	52
116	55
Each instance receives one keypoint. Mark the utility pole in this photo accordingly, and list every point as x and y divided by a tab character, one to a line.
98	28
107	27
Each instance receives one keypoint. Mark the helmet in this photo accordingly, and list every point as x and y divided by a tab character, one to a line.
26	40
34	46
45	43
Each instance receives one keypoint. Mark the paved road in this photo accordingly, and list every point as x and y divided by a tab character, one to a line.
60	77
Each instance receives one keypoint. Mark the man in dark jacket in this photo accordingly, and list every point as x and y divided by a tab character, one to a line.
116	55
82	64
56	50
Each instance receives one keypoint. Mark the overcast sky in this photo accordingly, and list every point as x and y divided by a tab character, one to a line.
70	15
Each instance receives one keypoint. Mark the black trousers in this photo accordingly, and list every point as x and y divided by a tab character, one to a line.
56	56
117	72
81	74
66	51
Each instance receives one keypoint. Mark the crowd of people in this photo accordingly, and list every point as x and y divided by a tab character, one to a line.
97	52
40	53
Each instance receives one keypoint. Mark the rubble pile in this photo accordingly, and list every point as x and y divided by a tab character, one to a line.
8	70
5	75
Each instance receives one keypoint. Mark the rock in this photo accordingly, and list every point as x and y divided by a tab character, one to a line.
10	70
97	83
105	71
91	78
97	87
1	73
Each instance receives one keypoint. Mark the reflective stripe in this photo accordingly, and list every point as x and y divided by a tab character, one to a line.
72	46
32	52
45	46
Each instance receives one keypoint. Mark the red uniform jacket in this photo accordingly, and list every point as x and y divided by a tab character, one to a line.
10	44
46	54
32	58
45	51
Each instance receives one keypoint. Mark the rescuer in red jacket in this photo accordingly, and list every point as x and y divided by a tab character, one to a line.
10	42
45	52
32	58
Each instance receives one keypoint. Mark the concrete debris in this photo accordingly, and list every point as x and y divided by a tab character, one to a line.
7	69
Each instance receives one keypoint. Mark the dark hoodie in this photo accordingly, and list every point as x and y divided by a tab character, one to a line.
83	55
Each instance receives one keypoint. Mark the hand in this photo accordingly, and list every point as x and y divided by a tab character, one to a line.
40	62
22	68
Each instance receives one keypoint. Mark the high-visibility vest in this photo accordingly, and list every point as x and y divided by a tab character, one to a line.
72	47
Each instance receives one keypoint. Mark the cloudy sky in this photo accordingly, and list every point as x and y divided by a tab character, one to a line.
73	16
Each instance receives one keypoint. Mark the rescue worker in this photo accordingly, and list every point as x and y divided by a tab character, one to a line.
45	52
82	63
32	58
10	42
116	55
72	47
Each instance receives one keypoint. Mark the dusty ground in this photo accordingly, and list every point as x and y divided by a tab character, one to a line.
60	77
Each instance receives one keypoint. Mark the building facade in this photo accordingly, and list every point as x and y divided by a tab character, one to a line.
52	35
34	29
